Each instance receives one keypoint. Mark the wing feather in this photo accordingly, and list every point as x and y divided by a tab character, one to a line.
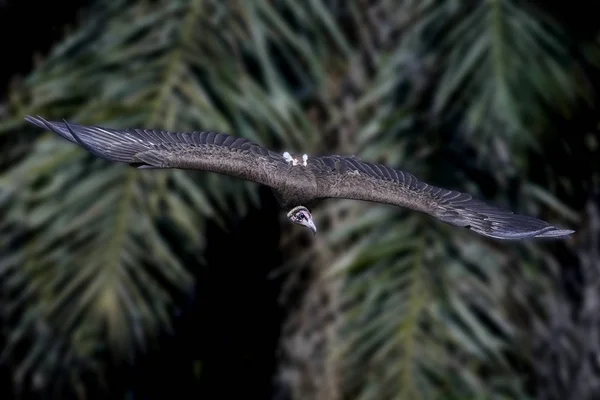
199	150
348	177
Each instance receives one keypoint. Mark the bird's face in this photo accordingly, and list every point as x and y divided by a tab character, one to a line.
301	216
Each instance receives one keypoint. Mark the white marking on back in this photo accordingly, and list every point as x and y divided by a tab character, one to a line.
289	159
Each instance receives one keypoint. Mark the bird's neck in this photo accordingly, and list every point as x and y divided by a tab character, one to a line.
295	194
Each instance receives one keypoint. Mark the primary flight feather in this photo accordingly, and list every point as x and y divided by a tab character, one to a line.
299	181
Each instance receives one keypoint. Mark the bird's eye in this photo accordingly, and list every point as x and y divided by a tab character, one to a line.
301	217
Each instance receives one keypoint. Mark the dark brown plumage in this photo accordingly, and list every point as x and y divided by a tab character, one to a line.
298	182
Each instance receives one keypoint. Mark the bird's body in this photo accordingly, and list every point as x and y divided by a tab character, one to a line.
298	181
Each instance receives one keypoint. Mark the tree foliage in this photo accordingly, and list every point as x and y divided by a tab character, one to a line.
463	95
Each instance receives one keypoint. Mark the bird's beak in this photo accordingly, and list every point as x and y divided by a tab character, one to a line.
311	225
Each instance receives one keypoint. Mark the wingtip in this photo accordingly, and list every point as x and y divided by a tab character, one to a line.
52	126
37	120
548	232
556	233
42	122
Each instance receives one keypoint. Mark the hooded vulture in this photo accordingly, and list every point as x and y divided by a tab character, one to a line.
298	181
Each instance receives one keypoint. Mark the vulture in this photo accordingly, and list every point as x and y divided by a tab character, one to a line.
298	181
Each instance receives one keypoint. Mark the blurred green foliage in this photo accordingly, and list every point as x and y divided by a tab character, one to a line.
465	95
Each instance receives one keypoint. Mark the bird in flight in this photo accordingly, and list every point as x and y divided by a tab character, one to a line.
298	181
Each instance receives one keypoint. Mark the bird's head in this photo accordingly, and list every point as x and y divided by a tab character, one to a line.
301	216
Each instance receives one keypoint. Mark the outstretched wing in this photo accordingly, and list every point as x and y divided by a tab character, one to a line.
349	177
206	151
